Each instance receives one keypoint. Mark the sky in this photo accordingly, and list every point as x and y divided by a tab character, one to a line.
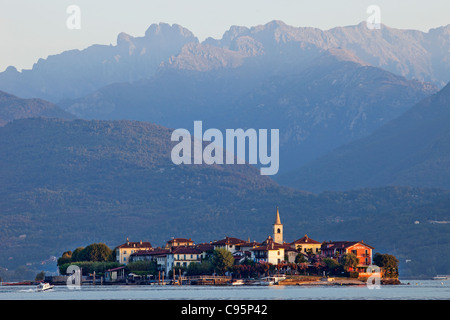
31	29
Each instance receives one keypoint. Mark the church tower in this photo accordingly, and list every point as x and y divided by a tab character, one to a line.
278	229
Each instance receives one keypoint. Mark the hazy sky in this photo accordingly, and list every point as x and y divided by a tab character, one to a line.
31	29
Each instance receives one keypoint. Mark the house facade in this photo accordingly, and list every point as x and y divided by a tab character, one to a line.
230	244
307	245
179	242
124	251
182	257
336	249
269	251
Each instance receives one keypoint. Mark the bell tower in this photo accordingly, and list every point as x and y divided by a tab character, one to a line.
278	229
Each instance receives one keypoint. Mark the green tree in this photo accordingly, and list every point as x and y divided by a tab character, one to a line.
388	263
331	265
222	260
65	258
76	254
96	252
142	267
300	258
202	268
349	260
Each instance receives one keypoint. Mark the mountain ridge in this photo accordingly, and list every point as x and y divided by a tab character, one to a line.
410	53
409	150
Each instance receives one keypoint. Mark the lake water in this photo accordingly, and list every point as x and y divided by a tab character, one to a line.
416	289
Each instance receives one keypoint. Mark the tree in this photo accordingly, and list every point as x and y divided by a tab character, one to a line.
331	265
96	252
222	260
349	260
65	258
303	266
388	262
76	254
142	267
202	268
300	258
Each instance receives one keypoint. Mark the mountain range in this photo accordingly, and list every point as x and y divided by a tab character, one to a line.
334	99
409	53
411	150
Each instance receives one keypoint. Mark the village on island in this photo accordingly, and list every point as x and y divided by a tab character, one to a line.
229	261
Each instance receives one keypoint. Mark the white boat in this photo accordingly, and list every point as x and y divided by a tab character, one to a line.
43	286
441	277
269	281
237	282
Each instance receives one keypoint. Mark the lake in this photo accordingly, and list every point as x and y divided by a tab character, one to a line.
415	290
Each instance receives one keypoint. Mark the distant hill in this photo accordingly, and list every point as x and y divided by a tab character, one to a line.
67	184
12	107
334	99
411	150
75	73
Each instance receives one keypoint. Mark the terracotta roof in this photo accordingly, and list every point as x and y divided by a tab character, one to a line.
186	250
139	244
152	252
269	244
229	240
204	246
180	240
306	239
342	244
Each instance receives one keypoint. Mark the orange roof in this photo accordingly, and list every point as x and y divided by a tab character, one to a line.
229	240
306	239
139	244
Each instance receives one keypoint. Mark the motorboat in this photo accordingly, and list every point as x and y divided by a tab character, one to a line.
441	277
237	282
269	281
43	286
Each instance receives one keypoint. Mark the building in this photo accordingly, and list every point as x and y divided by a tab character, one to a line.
278	229
178	242
159	255
336	249
307	245
230	244
269	251
124	251
182	257
115	274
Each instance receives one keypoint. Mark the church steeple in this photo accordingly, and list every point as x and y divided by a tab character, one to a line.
278	229
277	219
